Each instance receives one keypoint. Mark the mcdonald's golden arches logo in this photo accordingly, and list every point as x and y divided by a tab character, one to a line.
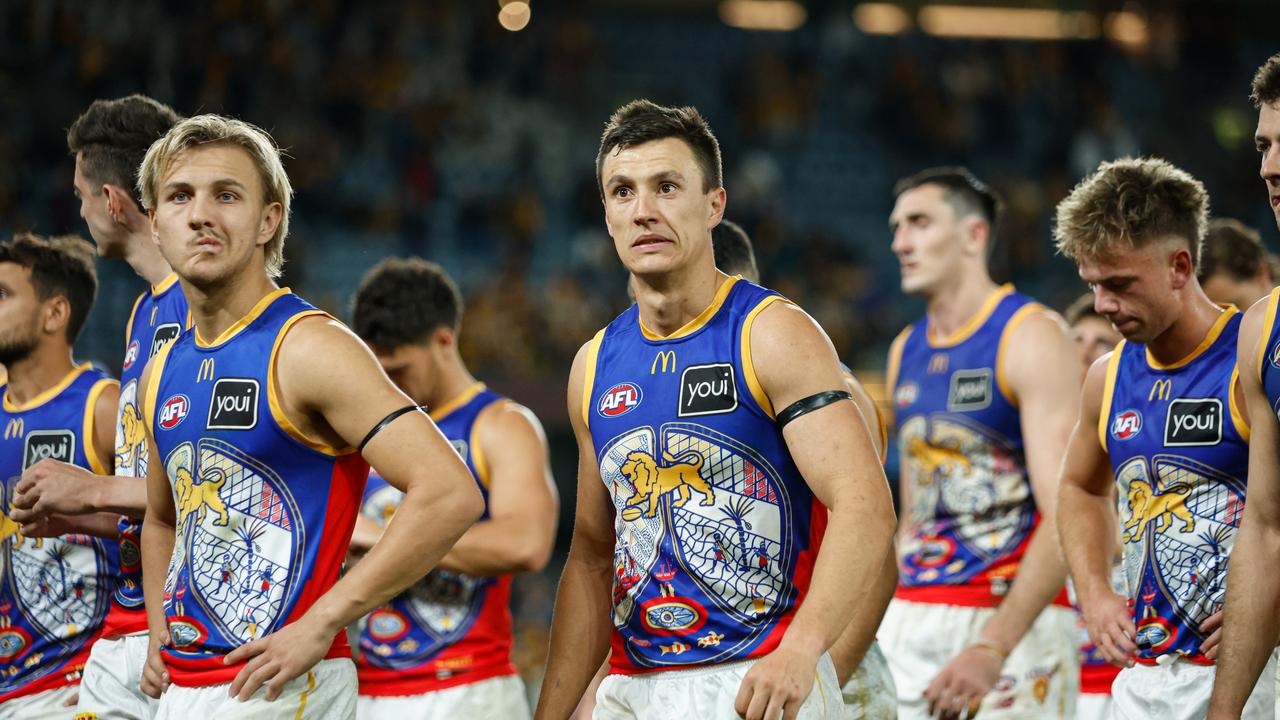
667	357
206	370
938	363
1160	390
14	429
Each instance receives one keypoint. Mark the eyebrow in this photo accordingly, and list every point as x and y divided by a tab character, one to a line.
219	183
656	177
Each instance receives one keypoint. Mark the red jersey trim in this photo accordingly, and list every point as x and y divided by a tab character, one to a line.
123	621
963	595
379	682
1097	679
69	674
210	670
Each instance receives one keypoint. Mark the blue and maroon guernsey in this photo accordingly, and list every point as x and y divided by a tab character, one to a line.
449	628
717	531
1269	354
264	514
159	316
1179	449
54	592
971	510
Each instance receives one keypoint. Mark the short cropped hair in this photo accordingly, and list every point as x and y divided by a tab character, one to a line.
1233	248
1080	309
733	252
60	266
1265	88
966	194
1132	201
213	130
112	136
642	121
402	301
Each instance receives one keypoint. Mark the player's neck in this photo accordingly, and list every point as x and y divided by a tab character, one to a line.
39	371
215	309
958	302
144	257
668	302
454	381
1196	318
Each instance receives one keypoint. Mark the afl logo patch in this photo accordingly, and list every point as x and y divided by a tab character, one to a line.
131	355
907	394
174	411
1275	355
1126	425
619	400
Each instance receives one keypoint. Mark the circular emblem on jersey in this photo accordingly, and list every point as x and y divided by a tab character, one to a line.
1126	425
174	411
935	552
619	400
13	642
130	555
131	355
1275	355
387	625
906	394
672	616
186	631
1156	634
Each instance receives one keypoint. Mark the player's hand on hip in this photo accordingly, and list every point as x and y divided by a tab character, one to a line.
1111	628
274	660
957	691
777	685
52	486
1213	626
155	677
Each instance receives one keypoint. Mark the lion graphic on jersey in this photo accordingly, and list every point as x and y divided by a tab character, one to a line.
199	497
936	459
652	481
132	432
1146	506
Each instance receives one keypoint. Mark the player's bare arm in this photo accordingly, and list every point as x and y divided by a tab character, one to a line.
1253	589
580	624
1086	515
339	401
1042	369
159	527
51	487
794	360
523	504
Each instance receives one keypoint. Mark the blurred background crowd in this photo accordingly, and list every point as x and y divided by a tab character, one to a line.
466	132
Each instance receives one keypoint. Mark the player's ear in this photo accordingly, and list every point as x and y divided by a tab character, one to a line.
718	202
1181	266
55	314
271	216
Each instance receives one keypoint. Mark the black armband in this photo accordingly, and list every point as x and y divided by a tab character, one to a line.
390	418
809	404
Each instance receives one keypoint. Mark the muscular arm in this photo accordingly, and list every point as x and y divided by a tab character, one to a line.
158	527
338	401
1251	625
523	505
853	643
580	624
1087	525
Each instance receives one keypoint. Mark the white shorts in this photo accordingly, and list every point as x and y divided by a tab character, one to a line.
1040	679
1181	690
326	691
500	698
870	694
706	693
47	705
111	688
1093	706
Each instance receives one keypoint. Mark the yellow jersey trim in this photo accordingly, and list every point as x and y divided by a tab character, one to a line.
1268	324
96	463
477	452
47	395
273	389
1022	314
748	365
892	368
1108	389
1237	415
589	376
975	322
165	284
1214	331
703	317
148	400
243	322
133	314
458	401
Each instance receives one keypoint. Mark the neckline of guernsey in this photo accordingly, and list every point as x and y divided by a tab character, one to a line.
696	324
462	398
1215	331
160	287
46	395
973	323
243	322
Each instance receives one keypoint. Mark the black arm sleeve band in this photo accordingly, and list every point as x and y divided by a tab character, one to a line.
809	404
385	422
